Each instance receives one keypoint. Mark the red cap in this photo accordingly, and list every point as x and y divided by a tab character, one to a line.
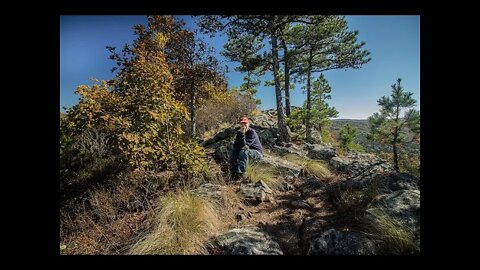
244	120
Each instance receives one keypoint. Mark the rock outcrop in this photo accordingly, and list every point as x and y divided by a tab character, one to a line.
333	242
255	194
247	241
321	152
396	194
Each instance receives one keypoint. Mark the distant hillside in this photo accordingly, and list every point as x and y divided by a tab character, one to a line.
363	128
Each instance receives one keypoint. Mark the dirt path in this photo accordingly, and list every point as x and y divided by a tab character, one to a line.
283	218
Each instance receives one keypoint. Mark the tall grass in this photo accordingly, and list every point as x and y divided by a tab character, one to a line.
351	205
256	172
391	237
183	226
318	170
295	159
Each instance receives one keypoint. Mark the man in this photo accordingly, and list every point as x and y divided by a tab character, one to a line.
247	146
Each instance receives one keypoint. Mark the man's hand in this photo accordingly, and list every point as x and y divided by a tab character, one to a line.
245	147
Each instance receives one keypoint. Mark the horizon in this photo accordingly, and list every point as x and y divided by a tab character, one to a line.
393	41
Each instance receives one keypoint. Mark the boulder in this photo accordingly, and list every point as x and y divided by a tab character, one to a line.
222	151
267	136
262	121
403	206
247	241
287	168
333	242
363	163
255	194
318	151
339	164
227	133
316	137
210	191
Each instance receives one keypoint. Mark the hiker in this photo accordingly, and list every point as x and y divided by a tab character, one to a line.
247	146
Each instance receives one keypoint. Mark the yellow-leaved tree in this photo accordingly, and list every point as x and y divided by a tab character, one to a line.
138	112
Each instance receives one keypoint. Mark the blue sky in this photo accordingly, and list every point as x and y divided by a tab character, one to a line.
393	41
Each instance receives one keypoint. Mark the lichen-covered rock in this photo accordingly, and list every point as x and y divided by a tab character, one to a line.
333	242
317	151
339	164
247	241
255	194
210	191
403	206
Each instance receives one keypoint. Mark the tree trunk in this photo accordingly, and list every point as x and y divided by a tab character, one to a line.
395	141
308	127
282	126
395	156
287	78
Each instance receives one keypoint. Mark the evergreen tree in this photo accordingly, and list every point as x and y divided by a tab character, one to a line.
321	112
325	43
263	27
389	127
347	137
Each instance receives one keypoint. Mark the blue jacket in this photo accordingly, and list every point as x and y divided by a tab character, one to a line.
250	138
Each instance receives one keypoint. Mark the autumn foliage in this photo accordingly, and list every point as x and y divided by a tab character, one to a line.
139	113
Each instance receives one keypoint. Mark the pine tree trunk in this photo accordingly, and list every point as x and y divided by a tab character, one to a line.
395	157
308	127
282	126
287	79
395	140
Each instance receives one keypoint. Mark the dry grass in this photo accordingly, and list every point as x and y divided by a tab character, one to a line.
210	133
392	237
318	170
295	159
108	218
351	205
261	172
90	234
183	226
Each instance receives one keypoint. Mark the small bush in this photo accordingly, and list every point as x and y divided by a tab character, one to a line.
326	135
227	108
183	225
109	217
93	143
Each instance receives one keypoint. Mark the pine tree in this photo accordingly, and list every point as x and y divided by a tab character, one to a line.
245	49
263	27
347	137
321	112
389	127
326	43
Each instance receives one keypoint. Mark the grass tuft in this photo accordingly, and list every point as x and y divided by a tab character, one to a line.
184	224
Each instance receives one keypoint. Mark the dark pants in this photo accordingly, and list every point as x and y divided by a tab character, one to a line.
240	159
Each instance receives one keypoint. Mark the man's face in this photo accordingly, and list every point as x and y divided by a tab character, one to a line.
244	125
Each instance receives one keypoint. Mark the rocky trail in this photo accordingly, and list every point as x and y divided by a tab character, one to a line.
294	212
